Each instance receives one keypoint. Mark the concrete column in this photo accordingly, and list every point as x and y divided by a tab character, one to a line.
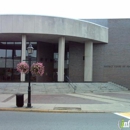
88	61
23	55
61	55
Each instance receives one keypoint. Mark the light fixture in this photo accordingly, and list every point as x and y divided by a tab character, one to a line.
30	49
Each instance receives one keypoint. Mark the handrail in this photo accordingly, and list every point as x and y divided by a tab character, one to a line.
71	83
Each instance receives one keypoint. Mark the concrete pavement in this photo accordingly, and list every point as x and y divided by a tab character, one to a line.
72	102
60	97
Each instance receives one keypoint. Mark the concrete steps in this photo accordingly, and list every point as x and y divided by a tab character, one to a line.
58	88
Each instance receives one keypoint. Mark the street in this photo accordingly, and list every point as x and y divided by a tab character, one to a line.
58	121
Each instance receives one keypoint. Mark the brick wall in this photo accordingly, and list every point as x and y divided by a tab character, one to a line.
111	61
76	62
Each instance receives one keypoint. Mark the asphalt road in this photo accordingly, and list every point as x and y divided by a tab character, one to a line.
58	121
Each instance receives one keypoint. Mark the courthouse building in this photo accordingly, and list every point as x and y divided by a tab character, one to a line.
84	50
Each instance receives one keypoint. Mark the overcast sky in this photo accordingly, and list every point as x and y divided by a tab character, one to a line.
77	9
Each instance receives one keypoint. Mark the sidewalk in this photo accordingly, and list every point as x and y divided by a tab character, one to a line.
73	102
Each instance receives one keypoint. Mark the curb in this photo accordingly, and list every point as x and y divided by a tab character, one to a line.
52	111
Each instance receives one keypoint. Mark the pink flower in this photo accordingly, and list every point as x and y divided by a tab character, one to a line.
37	69
23	67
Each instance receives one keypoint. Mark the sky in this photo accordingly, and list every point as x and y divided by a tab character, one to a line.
75	9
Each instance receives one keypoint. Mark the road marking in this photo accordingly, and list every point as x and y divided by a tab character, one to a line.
125	114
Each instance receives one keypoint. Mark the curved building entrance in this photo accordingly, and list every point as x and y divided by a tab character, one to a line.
65	46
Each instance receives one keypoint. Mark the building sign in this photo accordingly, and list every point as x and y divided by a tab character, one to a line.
116	66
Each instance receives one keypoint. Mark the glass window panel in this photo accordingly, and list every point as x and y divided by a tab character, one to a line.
33	43
56	56
9	63
10	47
2	49
10	42
2	62
17	43
2	53
18	53
3	43
9	53
16	61
17	50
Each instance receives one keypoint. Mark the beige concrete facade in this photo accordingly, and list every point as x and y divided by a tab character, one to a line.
61	55
43	26
23	55
88	61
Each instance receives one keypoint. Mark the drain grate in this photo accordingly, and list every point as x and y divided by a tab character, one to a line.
67	108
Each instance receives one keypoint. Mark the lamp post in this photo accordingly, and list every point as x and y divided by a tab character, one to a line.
30	51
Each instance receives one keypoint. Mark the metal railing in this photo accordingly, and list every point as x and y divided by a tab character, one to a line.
71	83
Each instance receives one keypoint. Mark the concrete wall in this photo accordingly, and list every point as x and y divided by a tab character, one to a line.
45	55
76	62
112	60
52	26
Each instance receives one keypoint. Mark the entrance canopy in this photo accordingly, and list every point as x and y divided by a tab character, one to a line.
49	29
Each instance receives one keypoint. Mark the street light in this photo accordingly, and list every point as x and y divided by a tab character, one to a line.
30	51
